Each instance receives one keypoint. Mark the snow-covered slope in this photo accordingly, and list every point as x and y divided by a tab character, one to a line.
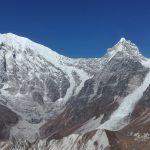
36	82
29	60
118	118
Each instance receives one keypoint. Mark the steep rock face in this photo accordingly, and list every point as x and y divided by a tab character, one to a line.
35	81
100	95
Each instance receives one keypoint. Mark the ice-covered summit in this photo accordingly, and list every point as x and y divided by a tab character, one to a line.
126	47
122	40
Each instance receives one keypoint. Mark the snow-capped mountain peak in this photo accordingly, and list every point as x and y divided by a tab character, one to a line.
125	47
41	89
21	43
122	40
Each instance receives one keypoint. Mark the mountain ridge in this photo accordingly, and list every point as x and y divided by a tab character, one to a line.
58	99
24	40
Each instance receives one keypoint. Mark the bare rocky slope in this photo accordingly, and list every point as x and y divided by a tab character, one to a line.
52	102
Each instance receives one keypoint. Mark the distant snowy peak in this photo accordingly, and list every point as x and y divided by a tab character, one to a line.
122	40
126	47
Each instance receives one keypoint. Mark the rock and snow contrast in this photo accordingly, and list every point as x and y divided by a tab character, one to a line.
52	102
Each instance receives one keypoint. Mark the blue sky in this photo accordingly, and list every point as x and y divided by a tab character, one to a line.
78	28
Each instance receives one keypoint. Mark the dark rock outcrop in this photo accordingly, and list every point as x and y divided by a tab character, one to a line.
8	118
